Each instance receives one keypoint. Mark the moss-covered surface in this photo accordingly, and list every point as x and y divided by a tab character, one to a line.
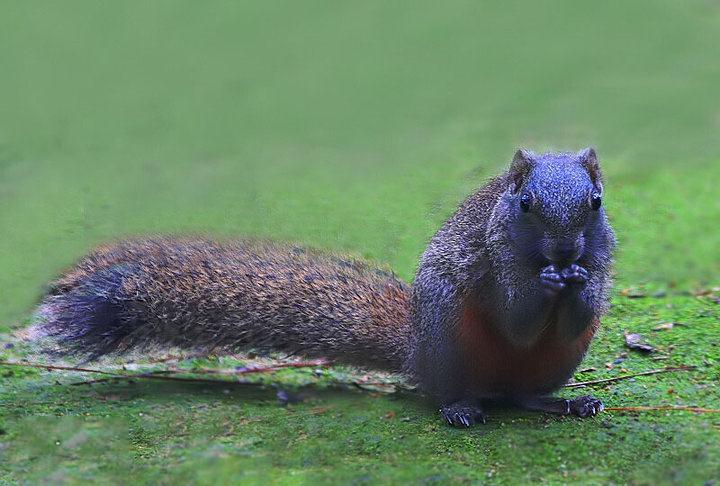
173	433
356	127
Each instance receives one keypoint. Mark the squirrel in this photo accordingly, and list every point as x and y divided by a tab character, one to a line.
505	302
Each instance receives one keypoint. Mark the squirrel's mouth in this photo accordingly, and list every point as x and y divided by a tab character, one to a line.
564	252
564	262
561	259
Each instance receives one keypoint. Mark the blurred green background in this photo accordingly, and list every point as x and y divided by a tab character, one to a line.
357	127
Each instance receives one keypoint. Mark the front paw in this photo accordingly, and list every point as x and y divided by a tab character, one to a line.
552	279
574	274
463	413
585	406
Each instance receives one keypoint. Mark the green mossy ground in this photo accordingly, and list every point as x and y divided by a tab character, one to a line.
356	127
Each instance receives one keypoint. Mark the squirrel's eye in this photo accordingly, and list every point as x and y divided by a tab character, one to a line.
525	201
595	201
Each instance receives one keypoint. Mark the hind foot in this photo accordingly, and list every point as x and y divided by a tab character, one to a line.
463	413
584	406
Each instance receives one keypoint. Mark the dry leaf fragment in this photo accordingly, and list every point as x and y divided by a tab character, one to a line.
665	326
636	342
633	293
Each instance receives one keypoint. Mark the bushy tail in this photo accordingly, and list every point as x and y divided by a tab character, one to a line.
208	296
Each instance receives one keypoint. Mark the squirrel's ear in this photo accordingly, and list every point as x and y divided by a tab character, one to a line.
520	168
589	160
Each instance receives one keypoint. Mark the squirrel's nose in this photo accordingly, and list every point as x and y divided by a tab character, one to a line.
564	253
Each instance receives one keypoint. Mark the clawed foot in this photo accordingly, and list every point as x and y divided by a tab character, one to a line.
585	406
463	413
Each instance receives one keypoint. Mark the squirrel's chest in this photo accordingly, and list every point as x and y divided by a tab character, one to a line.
494	365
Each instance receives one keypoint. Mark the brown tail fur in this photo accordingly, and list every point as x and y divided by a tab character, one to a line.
205	295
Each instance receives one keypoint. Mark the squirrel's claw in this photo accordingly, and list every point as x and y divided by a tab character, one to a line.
586	406
462	414
552	279
575	274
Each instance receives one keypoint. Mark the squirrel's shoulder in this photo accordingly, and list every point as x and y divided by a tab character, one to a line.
486	196
458	249
472	215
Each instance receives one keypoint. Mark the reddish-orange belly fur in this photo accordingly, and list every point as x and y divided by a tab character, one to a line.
494	365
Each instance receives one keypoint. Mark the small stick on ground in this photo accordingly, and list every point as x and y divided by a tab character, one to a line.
240	371
164	374
668	369
662	408
245	370
163	377
21	364
101	380
320	363
167	374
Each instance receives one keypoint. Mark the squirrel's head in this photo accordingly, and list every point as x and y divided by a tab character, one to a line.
556	201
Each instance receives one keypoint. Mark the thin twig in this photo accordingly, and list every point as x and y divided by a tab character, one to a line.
674	408
320	363
171	357
166	374
668	369
160	377
203	371
53	367
100	380
151	376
